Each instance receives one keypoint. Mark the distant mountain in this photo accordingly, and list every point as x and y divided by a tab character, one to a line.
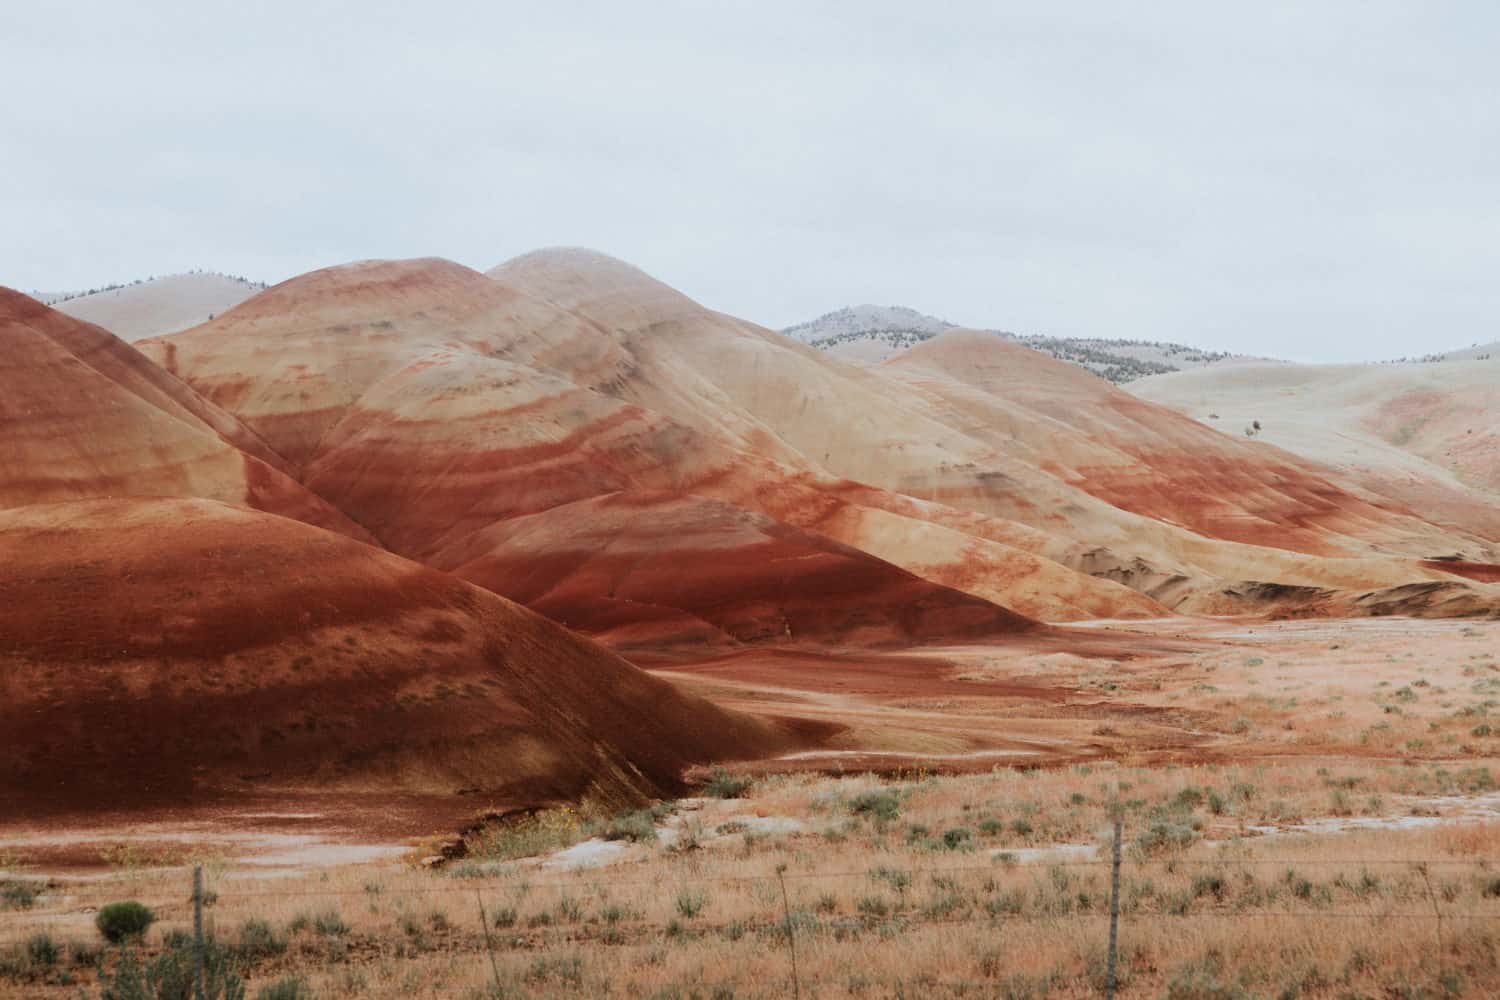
867	319
873	334
1474	352
148	307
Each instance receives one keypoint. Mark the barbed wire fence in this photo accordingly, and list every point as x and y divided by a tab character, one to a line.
786	928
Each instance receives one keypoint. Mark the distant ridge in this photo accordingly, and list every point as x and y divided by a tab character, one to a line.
873	334
151	306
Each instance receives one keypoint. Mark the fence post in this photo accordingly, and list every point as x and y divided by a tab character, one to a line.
1432	898
484	921
198	932
1114	912
791	931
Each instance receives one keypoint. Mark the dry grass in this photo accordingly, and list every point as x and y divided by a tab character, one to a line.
890	903
1373	739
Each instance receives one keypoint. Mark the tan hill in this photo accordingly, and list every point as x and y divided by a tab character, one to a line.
1427	434
153	650
165	633
440	408
863	425
431	402
87	416
156	305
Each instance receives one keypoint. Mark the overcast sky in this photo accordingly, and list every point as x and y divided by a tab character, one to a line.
1316	181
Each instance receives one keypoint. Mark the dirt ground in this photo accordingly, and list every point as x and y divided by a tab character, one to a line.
1362	742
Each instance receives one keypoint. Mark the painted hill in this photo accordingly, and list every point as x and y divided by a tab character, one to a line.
179	619
1425	433
86	416
191	530
156	649
435	404
862	425
466	420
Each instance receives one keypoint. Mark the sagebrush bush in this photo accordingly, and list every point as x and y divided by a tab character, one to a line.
723	785
286	988
691	902
121	921
42	950
329	923
878	805
17	895
956	838
170	975
259	940
638	825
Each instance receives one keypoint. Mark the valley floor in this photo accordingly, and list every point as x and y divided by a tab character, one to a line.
1309	809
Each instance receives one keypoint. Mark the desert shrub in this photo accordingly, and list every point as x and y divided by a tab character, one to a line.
565	968
527	836
1165	836
723	785
945	905
1204	980
613	913
329	923
1005	903
286	988
1190	797
17	895
1301	887
506	917
42	950
259	940
170	975
880	805
690	903
893	877
120	921
1476	779
957	838
637	825
1209	885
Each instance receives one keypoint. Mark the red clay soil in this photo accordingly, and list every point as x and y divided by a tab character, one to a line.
1483	572
153	651
590	565
867	675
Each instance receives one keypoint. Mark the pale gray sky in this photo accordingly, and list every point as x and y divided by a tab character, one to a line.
1318	181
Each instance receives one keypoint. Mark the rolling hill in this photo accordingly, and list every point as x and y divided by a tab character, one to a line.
156	650
183	619
152	306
